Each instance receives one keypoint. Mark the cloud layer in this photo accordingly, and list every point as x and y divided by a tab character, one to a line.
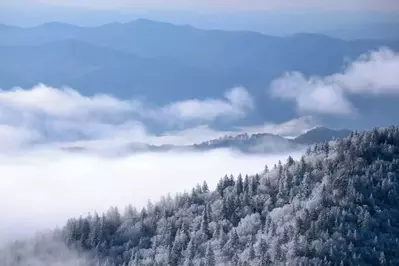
44	114
48	187
48	116
35	178
66	103
374	73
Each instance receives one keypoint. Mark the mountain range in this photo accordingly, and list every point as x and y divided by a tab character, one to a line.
261	143
162	62
270	143
321	134
387	30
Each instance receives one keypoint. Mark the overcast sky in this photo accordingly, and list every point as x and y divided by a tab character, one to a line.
352	5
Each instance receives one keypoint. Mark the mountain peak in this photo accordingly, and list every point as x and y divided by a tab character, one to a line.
143	22
56	26
321	134
8	27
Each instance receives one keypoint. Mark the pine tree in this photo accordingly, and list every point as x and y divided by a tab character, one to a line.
205	224
239	185
189	252
84	238
209	256
205	188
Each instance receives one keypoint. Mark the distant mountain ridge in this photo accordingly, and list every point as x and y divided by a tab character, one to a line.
261	143
255	143
144	37
269	143
370	31
321	134
164	63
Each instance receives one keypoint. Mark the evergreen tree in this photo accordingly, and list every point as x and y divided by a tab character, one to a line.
209	256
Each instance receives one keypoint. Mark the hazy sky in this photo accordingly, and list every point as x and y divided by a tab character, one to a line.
282	17
353	5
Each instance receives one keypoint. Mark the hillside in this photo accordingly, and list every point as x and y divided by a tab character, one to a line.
255	143
337	205
249	144
261	143
270	143
321	134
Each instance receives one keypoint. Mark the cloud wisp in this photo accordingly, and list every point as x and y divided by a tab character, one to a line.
373	73
290	128
43	249
237	103
65	103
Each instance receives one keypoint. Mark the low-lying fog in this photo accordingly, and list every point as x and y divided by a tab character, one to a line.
42	189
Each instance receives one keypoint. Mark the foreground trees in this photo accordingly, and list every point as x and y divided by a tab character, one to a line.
338	205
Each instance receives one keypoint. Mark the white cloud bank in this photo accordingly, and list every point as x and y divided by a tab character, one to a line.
374	73
68	103
63	117
49	114
39	190
43	187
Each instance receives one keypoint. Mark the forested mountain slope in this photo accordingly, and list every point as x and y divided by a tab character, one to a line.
260	143
321	134
255	143
245	143
337	205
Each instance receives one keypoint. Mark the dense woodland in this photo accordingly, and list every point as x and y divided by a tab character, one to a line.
337	205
